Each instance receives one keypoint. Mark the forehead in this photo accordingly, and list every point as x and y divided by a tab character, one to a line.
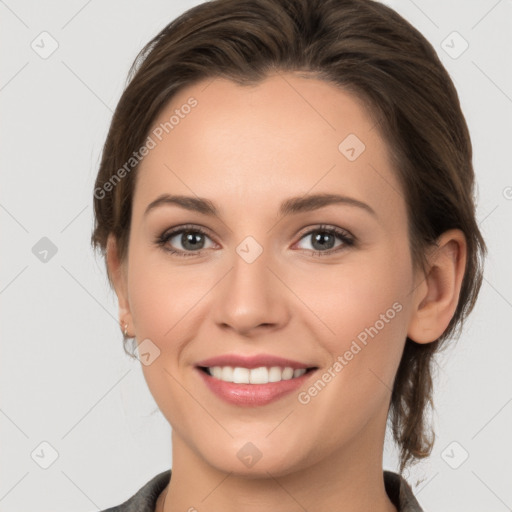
287	135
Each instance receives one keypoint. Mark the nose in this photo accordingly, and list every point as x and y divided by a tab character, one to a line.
251	297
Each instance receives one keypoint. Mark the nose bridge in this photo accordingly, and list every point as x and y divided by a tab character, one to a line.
251	295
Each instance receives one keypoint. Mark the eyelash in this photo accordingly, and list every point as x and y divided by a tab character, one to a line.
161	240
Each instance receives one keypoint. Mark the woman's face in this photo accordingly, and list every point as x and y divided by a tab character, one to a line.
267	277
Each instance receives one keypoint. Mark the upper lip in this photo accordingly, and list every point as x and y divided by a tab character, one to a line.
255	361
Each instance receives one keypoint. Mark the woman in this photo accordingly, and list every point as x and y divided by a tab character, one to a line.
285	206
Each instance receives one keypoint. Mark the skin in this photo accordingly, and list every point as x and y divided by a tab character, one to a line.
247	149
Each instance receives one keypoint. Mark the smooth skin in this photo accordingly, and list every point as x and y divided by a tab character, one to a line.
247	149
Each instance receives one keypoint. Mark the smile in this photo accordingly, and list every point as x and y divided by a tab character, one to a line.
253	386
261	375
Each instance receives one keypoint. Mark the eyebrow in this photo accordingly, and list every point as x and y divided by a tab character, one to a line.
293	205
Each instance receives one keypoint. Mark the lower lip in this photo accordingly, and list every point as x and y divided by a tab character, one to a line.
253	394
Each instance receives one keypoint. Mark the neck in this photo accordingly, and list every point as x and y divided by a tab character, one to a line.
349	479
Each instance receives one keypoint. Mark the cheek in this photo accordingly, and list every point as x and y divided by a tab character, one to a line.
353	296
159	299
361	315
365	338
162	303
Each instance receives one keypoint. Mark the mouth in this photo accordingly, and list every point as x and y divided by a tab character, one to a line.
260	375
251	387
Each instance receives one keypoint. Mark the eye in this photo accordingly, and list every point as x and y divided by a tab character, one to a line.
191	239
323	239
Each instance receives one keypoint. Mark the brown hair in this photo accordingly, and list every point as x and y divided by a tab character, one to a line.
369	50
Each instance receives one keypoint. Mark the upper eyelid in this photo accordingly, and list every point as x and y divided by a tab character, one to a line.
303	231
185	227
325	227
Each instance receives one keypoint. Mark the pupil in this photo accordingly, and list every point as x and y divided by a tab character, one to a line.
319	238
191	238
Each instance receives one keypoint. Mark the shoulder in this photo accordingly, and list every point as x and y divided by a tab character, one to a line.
144	500
400	493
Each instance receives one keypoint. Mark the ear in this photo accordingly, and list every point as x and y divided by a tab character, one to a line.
118	274
437	295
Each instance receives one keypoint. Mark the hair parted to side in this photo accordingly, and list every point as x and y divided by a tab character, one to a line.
365	48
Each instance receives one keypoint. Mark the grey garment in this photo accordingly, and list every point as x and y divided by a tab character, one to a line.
144	500
400	493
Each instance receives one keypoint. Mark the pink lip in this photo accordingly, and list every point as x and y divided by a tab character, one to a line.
252	361
251	395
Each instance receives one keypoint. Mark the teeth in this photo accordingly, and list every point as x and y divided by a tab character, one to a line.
261	375
287	373
240	375
226	374
274	374
258	375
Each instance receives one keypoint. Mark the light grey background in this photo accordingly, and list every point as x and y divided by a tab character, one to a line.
65	378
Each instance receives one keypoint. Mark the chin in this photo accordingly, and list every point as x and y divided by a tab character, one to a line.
247	460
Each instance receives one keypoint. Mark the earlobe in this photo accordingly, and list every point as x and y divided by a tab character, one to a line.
436	298
117	273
